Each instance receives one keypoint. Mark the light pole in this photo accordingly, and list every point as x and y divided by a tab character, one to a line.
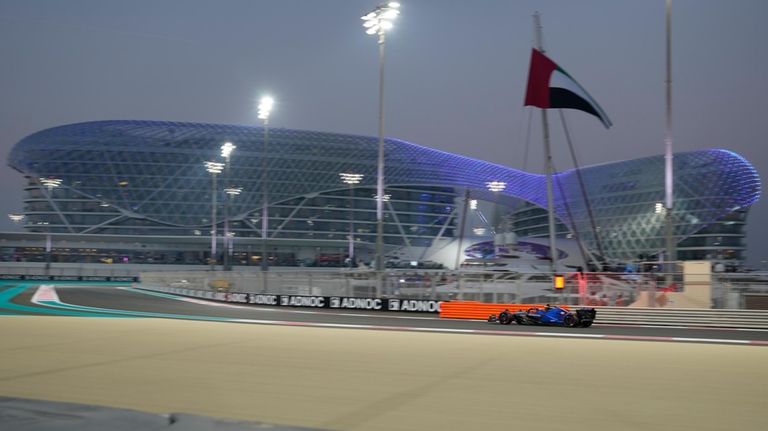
351	179
265	108
228	236
50	183
462	226
496	187
213	168
226	152
378	22
16	218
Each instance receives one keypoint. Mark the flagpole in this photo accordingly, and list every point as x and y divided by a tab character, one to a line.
548	159
671	254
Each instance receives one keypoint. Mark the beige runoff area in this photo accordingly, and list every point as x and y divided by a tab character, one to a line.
383	380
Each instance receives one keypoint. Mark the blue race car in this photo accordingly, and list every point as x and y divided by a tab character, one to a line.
549	316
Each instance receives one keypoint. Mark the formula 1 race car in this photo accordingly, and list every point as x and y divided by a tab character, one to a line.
549	316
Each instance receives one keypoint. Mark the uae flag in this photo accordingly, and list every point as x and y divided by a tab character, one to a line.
549	86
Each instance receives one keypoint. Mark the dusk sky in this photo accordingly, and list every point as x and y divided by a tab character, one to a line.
455	74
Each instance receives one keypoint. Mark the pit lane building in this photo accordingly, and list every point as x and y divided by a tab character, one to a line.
138	190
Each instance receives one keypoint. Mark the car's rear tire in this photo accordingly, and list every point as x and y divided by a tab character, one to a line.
569	320
586	324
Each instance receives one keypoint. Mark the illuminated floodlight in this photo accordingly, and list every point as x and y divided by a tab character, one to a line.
15	217
51	182
214	167
473	204
265	107
658	208
226	149
479	231
350	179
380	19
496	186
385	198
233	191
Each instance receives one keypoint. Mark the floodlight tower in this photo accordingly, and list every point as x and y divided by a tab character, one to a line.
214	168
351	179
50	183
226	152
229	236
378	22
265	108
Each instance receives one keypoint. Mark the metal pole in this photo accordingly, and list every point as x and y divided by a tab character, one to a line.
380	175
671	255
213	221
226	218
548	158
48	252
48	238
48	247
351	229
264	200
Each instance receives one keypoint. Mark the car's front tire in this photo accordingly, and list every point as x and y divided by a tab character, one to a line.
505	318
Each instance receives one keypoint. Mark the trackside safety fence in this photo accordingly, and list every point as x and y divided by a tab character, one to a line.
715	318
746	319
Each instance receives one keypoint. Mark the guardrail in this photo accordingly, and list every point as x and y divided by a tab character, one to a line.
744	319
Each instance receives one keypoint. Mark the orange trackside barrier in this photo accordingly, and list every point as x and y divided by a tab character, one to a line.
480	310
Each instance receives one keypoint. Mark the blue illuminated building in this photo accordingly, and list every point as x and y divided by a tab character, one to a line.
146	179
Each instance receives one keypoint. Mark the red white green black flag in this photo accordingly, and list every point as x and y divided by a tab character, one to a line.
549	86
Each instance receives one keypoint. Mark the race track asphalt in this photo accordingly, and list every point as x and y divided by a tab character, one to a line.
162	305
374	380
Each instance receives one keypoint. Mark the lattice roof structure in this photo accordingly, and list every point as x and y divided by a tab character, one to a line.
151	173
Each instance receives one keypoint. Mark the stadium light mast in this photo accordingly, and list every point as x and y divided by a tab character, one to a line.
351	179
50	183
265	109
226	152
214	168
229	236
378	22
